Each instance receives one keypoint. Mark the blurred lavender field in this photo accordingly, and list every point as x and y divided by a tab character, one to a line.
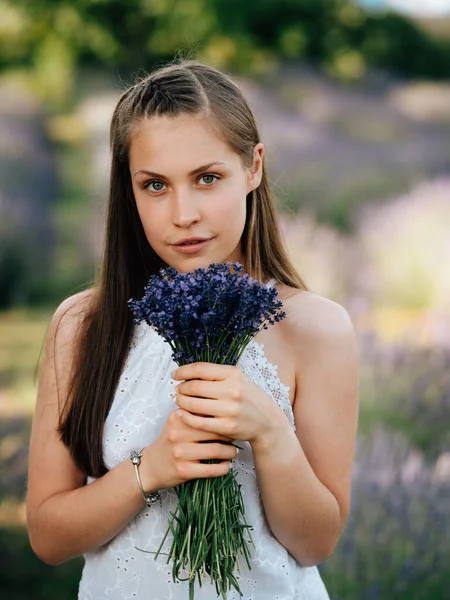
395	544
362	178
391	272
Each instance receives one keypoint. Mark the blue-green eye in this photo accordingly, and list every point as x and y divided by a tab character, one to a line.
209	176
154	182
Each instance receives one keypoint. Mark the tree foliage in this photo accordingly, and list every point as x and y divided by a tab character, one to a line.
49	39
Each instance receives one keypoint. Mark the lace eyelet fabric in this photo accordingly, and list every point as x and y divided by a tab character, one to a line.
119	570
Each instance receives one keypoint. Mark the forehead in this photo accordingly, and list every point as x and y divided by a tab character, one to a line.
182	140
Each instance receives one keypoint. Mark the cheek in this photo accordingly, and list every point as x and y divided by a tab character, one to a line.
230	211
151	220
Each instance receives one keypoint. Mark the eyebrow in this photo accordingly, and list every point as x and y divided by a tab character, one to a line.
194	172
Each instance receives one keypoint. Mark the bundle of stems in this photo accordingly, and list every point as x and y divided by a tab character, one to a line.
209	530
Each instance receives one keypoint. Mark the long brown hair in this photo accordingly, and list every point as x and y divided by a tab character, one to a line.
184	86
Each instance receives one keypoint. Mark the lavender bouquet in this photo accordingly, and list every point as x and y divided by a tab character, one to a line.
208	315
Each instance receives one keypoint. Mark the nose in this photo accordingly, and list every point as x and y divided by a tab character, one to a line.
185	209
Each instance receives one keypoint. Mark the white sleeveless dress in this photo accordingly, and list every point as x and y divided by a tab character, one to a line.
141	406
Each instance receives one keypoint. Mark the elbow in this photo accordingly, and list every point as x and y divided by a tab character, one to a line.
319	545
313	556
43	549
45	541
42	553
323	546
314	559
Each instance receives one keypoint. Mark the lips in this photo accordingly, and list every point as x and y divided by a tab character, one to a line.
191	248
190	241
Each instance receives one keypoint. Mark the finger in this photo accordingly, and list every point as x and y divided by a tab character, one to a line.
196	435
216	425
203	370
206	407
194	470
209	451
202	388
205	436
191	434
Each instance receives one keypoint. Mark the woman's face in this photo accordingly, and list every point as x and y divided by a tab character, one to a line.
189	184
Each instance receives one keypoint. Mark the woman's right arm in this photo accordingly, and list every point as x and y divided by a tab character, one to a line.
67	518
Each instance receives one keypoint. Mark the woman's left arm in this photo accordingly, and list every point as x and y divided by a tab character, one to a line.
306	495
304	476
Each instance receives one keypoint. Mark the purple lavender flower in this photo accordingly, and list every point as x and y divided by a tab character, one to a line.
209	314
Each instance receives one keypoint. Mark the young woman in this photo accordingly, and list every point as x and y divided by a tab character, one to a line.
187	164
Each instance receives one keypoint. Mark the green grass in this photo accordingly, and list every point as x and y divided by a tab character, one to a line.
22	334
21	339
23	576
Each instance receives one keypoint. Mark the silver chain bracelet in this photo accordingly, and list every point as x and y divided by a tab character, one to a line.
151	498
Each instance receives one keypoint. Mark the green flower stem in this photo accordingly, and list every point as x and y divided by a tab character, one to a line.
217	546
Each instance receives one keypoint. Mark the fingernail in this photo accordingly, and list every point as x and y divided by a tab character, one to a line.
173	373
237	451
179	413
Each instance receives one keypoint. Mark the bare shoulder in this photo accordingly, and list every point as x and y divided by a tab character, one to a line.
72	309
60	341
312	317
68	316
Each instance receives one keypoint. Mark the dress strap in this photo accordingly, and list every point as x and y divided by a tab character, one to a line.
271	283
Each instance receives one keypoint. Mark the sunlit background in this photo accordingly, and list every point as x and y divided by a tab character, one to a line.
353	102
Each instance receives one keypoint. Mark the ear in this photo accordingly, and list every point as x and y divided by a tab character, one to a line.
254	174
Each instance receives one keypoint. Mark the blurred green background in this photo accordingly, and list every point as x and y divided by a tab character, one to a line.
353	103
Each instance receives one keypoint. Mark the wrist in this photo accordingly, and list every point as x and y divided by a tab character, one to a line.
273	435
149	484
149	497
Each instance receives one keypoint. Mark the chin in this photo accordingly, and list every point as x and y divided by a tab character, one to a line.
188	263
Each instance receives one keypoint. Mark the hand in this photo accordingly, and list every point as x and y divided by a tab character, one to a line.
174	457
241	409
